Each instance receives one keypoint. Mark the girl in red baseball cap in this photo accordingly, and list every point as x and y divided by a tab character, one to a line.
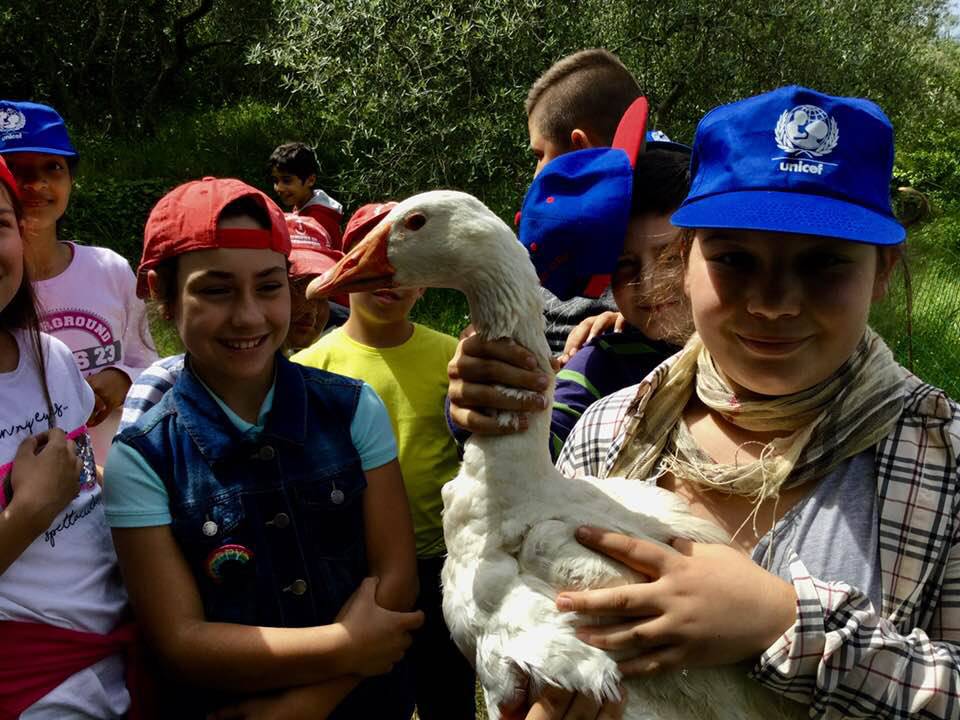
59	586
258	509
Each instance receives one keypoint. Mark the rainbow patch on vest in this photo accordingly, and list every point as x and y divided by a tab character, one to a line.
227	559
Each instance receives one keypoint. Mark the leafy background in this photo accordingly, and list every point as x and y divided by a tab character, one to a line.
400	96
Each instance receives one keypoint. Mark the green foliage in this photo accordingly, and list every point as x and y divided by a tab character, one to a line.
111	212
400	96
108	63
927	335
442	309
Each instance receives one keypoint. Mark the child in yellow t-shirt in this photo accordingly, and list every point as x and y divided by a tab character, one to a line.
406	364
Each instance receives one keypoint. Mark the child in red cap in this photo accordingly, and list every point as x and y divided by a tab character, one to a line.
311	255
250	504
59	586
293	171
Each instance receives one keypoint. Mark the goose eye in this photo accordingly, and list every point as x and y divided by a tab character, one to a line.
415	221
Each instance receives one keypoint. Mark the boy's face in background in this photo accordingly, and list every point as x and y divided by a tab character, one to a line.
292	191
544	149
383	307
45	186
308	318
640	280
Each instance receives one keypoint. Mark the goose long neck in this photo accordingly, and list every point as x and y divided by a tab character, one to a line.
507	304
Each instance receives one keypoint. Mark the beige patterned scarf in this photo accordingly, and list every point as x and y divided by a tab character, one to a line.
845	414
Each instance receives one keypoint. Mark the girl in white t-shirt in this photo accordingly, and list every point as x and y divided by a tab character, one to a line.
86	293
61	599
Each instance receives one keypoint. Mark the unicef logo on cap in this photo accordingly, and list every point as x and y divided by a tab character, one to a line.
11	120
807	130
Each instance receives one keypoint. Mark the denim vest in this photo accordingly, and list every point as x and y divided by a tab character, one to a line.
272	529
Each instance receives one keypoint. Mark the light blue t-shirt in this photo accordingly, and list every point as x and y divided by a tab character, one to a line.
135	496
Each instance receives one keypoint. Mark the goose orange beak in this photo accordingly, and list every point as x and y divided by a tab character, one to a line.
364	268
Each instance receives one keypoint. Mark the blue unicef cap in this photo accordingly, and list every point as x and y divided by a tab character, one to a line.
575	214
794	160
31	127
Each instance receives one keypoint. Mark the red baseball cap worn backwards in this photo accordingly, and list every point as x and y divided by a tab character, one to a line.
311	252
185	220
365	219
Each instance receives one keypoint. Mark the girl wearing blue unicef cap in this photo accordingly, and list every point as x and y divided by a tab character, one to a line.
86	292
787	422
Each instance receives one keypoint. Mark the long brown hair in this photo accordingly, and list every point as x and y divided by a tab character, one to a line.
22	313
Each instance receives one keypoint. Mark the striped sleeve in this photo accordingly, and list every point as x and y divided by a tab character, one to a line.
595	434
152	384
844	659
574	394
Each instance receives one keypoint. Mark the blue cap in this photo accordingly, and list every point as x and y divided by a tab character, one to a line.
574	219
794	160
575	214
658	140
31	127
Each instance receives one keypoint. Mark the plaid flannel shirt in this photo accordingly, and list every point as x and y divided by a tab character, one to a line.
842	657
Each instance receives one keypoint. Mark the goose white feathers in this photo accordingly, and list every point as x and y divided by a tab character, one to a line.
509	515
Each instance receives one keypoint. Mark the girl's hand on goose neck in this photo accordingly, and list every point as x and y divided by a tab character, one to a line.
479	365
705	605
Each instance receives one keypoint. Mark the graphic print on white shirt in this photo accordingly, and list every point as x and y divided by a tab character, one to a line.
93	308
68	576
87	334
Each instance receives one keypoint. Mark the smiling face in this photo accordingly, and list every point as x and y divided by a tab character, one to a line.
780	313
11	251
292	191
637	290
232	311
45	186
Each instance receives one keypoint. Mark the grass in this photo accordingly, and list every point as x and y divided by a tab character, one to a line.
931	332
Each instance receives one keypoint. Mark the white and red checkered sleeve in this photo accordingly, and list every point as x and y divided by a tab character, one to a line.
844	659
588	447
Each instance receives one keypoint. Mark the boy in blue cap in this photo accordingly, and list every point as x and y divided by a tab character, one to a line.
575	105
786	421
656	320
87	293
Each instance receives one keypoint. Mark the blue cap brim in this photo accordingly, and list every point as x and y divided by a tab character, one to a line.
775	211
44	150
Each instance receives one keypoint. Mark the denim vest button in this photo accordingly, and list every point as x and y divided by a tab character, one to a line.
267	453
297	587
280	521
209	528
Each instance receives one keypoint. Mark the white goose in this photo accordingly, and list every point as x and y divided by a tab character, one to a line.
509	515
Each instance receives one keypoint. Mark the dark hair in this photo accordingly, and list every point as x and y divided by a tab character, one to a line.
250	206
590	90
21	313
661	181
296	158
